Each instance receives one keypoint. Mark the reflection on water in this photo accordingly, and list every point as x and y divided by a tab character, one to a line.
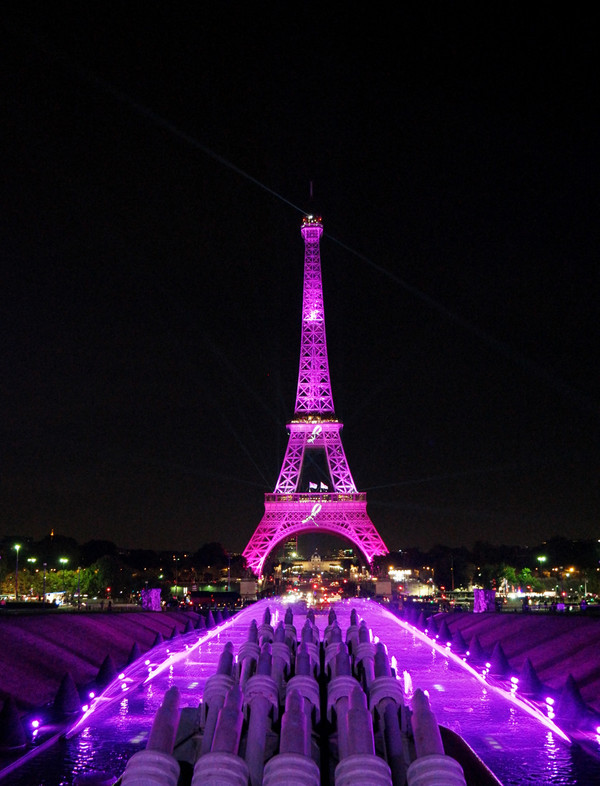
517	747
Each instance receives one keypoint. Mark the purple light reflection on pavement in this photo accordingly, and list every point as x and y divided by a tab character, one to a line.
446	652
163	657
517	747
516	742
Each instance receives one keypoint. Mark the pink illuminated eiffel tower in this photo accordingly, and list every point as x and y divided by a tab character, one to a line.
301	501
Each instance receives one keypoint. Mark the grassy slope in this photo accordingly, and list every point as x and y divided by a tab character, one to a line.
37	650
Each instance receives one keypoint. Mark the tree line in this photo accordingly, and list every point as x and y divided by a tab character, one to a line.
99	568
569	565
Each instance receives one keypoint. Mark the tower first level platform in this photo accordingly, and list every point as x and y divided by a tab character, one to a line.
287	515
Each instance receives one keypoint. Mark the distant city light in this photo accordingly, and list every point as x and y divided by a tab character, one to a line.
399	575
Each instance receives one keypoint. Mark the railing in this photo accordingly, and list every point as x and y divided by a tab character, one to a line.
316	496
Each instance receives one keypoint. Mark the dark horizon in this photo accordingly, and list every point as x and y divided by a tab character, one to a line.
156	174
559	550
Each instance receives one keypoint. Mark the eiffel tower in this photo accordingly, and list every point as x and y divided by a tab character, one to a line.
301	501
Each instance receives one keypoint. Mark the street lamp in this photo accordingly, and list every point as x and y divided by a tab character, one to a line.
44	592
16	547
176	561
32	561
541	559
63	561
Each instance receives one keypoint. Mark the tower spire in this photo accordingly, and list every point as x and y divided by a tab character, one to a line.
313	395
324	496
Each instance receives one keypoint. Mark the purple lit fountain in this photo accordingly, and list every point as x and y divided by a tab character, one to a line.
242	718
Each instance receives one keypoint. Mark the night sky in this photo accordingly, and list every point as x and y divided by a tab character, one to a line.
156	162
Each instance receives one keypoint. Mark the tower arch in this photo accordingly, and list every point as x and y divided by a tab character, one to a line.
303	531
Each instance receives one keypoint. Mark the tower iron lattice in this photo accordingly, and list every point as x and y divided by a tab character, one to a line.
301	501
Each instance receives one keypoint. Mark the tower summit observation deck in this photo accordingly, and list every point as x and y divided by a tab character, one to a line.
315	490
